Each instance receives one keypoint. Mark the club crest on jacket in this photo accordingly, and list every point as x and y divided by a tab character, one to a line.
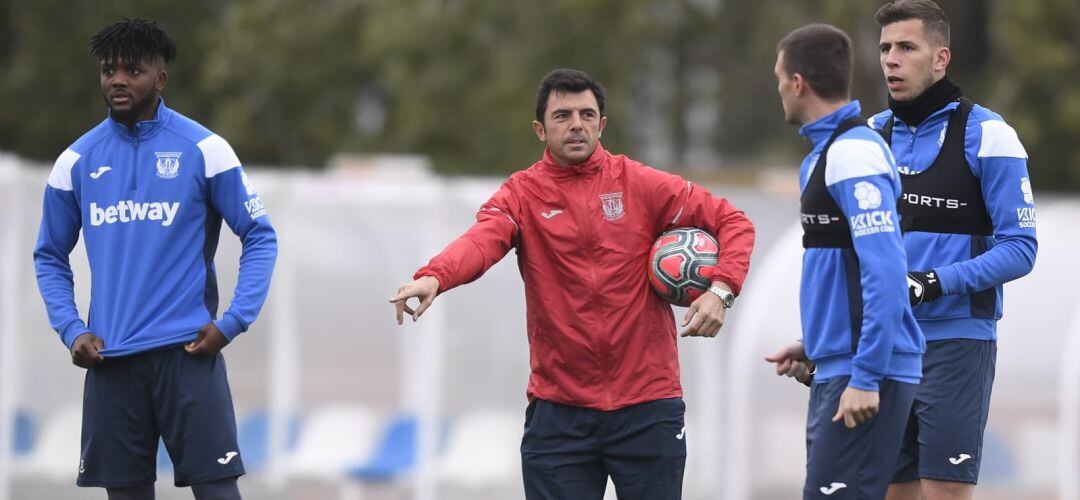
612	204
168	165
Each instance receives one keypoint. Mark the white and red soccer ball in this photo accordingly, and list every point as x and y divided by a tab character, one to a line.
677	261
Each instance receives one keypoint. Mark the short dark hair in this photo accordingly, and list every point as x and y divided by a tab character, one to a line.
821	53
134	40
935	23
566	80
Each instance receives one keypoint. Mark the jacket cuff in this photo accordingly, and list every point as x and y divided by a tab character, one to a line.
440	277
715	274
864	379
230	326
72	332
948	276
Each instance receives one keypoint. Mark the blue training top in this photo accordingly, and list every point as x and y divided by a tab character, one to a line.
150	203
861	177
998	160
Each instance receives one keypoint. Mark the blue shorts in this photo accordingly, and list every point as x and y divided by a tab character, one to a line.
857	463
128	402
945	434
568	452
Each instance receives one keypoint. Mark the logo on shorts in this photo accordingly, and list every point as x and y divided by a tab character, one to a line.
227	458
681	434
168	164
960	459
82	466
832	488
612	203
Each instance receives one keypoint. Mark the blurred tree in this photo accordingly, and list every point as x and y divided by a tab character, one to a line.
51	85
755	131
689	82
285	77
1033	76
7	31
460	76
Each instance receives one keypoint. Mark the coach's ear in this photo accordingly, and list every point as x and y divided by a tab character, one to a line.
538	129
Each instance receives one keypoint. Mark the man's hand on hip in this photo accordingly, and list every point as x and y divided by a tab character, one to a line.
425	288
209	341
86	350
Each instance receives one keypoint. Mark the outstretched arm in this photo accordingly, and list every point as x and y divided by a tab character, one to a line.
466	258
424	288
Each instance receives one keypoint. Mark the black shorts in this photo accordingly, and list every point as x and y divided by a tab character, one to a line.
129	402
944	438
568	452
857	463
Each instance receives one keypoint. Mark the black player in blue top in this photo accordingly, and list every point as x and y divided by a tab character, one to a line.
148	188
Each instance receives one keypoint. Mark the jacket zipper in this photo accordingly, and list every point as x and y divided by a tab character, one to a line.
603	352
135	164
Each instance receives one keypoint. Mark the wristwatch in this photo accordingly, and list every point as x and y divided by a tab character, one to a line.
726	297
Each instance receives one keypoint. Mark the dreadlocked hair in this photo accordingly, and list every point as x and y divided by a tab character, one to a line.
132	40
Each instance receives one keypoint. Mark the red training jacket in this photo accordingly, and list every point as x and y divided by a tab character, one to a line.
599	337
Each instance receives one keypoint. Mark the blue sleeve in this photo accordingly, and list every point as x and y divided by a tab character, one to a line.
61	222
1000	162
862	179
233	196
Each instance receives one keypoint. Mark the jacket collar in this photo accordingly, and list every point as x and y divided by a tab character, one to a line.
819	131
590	166
930	119
145	129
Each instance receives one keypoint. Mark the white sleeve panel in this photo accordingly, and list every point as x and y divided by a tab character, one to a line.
60	178
218	155
851	158
1000	140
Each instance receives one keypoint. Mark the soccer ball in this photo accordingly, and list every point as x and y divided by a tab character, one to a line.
676	262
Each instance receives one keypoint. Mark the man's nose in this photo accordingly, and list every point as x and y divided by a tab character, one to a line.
891	58
575	121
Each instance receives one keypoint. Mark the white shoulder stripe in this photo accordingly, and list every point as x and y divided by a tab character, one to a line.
999	139
851	158
678	215
218	155
511	219
60	178
870	122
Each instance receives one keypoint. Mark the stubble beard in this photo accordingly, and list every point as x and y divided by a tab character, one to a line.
138	108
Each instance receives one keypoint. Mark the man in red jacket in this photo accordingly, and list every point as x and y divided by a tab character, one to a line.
604	392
